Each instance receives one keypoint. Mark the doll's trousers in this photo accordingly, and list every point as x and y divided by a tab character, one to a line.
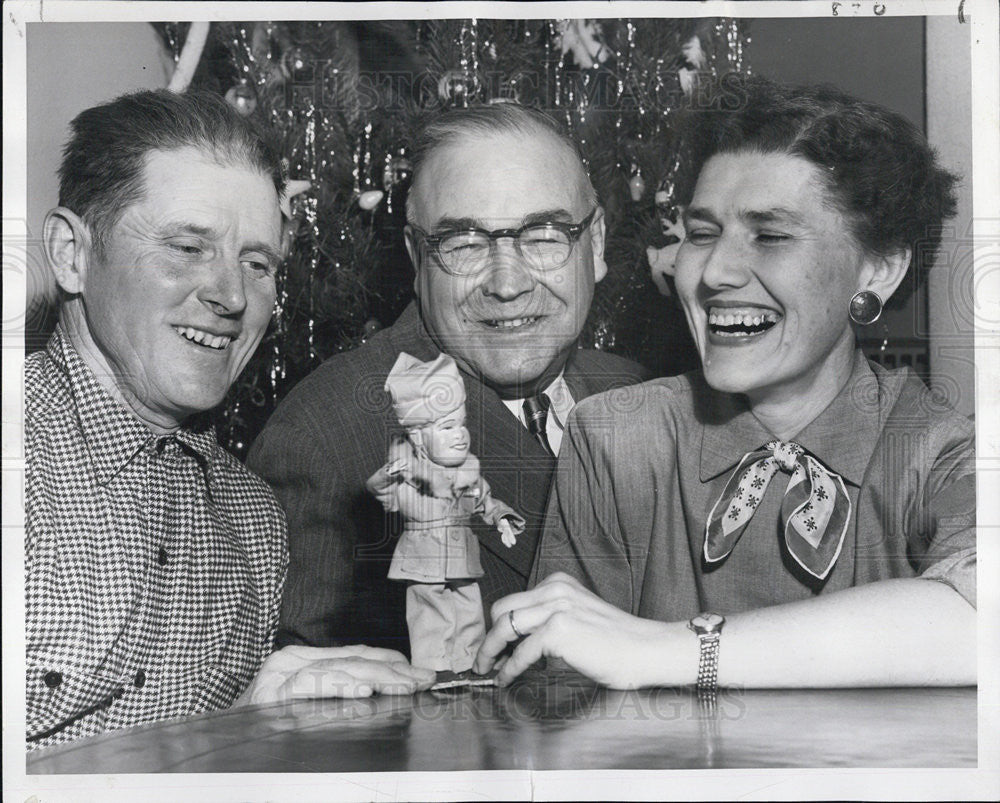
446	624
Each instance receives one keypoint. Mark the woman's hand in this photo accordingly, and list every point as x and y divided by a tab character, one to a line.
562	619
354	671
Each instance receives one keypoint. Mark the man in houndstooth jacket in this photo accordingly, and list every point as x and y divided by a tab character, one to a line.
154	559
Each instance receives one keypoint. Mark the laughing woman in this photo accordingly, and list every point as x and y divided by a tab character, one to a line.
790	515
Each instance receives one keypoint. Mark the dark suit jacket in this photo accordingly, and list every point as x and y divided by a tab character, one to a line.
332	432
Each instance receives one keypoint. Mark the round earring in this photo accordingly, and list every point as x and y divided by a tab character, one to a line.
865	307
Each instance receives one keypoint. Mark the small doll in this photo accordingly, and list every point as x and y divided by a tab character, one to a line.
433	481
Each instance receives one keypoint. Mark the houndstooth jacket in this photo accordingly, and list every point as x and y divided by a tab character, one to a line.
154	564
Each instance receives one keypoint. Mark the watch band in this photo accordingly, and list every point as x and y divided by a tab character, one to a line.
708	627
708	662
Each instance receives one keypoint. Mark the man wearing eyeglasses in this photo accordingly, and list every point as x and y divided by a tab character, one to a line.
507	240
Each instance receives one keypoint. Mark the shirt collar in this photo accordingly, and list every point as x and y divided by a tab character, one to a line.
561	398
111	432
560	402
198	434
731	430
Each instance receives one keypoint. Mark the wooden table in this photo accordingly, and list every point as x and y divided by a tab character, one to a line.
547	721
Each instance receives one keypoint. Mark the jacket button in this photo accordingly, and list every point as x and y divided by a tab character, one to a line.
52	679
140	679
162	557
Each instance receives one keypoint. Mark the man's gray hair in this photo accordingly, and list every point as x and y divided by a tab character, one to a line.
489	120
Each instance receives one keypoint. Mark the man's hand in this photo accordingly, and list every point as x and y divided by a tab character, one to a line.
506	533
562	619
355	671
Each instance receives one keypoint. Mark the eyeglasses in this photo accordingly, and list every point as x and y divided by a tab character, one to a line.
466	252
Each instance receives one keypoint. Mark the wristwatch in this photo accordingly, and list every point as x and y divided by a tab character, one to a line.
708	627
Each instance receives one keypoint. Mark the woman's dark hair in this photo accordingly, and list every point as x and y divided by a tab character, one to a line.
104	161
879	169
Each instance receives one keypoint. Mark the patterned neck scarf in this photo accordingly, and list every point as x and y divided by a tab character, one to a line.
815	510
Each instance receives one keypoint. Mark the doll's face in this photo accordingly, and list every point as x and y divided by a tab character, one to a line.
447	440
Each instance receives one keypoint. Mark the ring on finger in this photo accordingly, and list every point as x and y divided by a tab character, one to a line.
513	626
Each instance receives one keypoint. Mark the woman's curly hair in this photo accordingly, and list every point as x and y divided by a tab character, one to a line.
880	171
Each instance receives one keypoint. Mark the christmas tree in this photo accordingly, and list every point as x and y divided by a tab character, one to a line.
345	99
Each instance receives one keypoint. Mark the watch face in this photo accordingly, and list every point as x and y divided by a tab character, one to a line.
707	622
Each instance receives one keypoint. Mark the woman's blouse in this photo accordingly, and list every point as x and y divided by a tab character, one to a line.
641	468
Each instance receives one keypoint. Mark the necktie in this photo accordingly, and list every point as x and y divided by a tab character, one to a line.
815	509
536	414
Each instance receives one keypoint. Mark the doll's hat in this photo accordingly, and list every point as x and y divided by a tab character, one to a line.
422	392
